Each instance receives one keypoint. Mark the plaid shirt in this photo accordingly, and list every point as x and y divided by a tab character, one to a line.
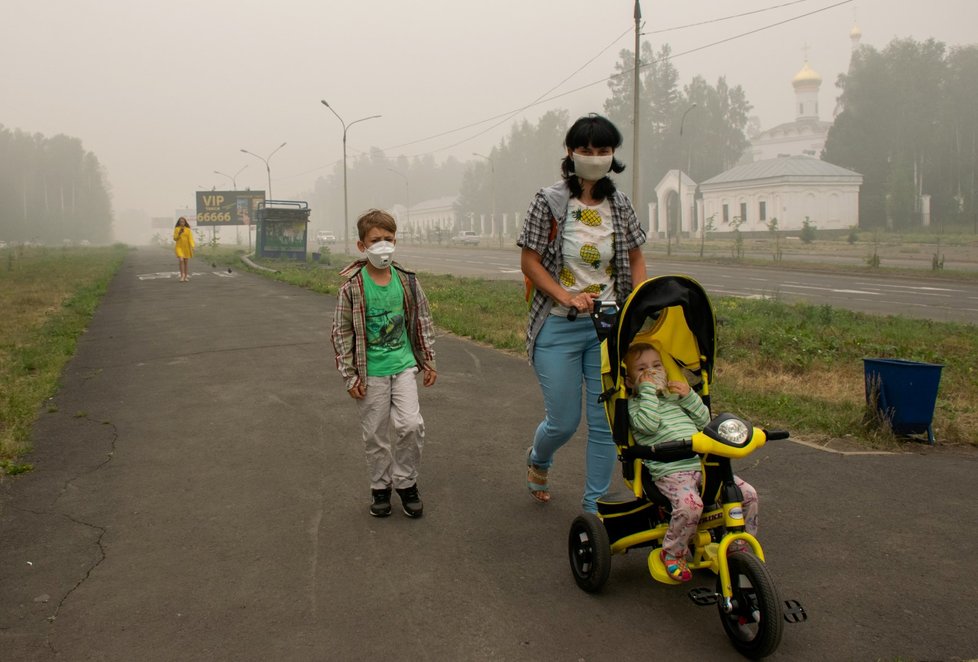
549	205
349	331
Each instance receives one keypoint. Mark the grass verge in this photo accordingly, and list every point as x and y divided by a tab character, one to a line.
793	366
47	296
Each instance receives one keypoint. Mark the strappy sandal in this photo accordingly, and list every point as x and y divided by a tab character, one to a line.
675	568
536	480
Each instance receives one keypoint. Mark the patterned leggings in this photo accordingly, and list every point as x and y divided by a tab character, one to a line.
683	491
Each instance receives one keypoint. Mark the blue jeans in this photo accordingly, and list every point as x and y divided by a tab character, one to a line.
566	356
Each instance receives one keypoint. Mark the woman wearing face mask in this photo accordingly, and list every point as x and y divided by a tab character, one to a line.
581	241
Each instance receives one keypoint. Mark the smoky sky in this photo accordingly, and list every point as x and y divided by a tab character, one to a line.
165	93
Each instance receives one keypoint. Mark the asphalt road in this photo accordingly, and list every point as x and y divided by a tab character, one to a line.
943	300
200	493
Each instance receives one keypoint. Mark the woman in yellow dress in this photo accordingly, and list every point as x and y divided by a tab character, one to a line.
184	248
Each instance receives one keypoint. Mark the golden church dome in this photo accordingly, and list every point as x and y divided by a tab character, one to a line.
806	75
855	33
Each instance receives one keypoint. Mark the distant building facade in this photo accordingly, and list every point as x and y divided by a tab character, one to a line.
790	189
435	216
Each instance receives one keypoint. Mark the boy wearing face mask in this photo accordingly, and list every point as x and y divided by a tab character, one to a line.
662	411
382	335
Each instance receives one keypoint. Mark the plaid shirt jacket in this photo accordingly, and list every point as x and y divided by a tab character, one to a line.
349	330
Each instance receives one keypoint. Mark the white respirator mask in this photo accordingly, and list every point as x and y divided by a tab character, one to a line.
381	254
592	168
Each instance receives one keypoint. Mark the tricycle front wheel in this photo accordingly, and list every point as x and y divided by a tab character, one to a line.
754	625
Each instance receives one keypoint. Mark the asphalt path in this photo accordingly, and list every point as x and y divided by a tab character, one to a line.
200	493
943	300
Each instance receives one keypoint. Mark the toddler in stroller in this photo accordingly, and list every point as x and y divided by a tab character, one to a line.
661	410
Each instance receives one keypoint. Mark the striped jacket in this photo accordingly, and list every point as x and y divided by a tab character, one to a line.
349	330
656	419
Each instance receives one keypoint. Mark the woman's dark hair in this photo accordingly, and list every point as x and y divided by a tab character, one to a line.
595	131
182	219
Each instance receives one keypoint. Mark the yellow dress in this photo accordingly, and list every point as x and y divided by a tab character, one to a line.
184	247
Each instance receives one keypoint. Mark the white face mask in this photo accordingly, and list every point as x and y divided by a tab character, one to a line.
591	168
381	254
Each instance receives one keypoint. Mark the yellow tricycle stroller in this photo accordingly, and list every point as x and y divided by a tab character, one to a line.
674	313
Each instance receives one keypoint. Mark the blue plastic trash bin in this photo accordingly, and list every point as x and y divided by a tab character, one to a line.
907	393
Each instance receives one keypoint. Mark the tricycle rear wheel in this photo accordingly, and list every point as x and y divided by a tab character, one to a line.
590	552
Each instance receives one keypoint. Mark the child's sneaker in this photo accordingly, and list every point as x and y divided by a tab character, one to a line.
411	501
381	507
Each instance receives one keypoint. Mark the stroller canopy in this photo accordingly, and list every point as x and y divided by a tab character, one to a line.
673	312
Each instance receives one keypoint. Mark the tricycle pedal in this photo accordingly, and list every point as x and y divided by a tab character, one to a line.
794	612
703	597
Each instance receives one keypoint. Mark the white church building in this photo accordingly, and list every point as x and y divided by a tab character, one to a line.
747	197
789	188
780	177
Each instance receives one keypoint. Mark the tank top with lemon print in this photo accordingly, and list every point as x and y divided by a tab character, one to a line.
589	251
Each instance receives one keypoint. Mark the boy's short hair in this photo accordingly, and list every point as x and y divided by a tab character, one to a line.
375	218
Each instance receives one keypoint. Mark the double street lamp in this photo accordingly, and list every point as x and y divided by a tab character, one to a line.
233	178
268	168
346	212
234	187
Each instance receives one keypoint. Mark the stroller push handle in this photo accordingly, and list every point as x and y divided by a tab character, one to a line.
600	306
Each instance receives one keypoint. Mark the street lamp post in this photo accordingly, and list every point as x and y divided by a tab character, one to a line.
679	230
346	211
234	187
407	196
233	178
268	170
492	179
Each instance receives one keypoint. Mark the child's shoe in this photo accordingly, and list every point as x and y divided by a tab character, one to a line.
411	501
381	507
676	568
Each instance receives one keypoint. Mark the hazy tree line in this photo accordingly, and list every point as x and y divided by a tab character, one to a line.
714	131
52	190
529	157
908	122
374	180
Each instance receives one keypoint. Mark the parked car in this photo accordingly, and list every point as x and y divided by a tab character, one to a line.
325	237
466	237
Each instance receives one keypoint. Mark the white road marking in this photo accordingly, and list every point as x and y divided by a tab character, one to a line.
831	289
911	287
176	274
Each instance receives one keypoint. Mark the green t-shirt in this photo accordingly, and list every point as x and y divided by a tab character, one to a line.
388	349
